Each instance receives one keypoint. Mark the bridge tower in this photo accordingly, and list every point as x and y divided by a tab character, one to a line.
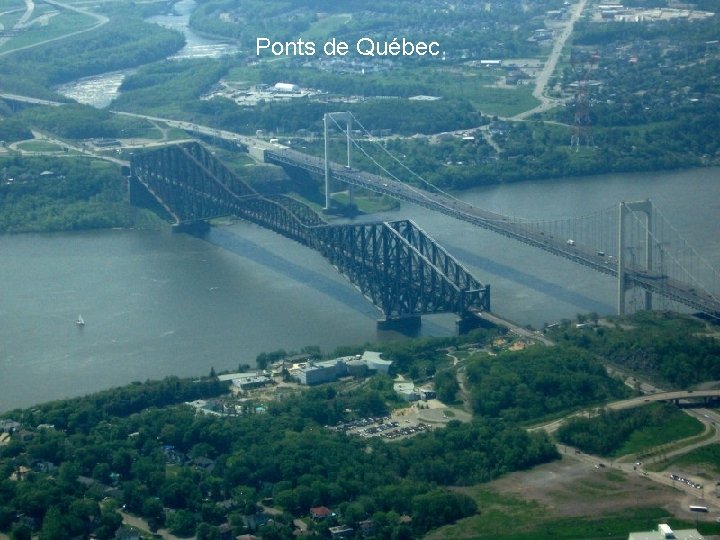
626	209
335	117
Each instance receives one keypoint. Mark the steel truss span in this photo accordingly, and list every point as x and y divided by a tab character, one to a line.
395	265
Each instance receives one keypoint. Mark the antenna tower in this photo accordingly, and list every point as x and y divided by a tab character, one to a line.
583	66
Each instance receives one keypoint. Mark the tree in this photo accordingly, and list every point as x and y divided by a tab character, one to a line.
206	531
446	386
181	522
21	532
54	527
110	522
440	507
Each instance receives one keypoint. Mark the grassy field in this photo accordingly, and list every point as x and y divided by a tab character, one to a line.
326	27
504	102
56	26
513	518
705	459
677	426
38	146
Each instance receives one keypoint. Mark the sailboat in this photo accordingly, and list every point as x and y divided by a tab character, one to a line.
80	321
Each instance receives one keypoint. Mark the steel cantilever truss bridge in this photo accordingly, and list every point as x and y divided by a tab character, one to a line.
396	265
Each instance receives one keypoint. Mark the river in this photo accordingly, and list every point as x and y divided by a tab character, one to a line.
157	303
100	90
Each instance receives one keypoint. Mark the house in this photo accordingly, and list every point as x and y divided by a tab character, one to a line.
367	527
254	521
203	464
20	473
225	531
42	466
9	426
320	512
24	435
126	533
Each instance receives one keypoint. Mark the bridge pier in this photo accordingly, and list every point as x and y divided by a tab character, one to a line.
405	325
194	228
468	322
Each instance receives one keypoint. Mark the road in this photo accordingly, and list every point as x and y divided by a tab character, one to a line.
551	63
139	523
100	20
633	464
30	100
81	150
22	21
515	328
663	396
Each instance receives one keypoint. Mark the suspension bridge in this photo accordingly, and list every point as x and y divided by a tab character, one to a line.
631	241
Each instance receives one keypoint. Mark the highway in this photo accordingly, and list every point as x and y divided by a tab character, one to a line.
100	20
547	103
664	396
635	464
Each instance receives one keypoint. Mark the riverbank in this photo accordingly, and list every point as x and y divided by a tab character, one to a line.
157	303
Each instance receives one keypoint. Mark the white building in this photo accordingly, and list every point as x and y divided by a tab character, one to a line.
664	532
375	363
330	370
406	391
322	372
286	88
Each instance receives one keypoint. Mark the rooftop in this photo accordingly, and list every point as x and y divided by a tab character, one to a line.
664	532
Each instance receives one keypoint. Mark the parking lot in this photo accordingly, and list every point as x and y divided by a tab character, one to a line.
384	427
686	481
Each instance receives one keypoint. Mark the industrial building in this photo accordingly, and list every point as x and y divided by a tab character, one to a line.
665	532
311	372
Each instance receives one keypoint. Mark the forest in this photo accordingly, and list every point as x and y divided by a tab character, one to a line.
650	105
43	194
606	433
467	29
69	466
666	348
117	45
192	473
